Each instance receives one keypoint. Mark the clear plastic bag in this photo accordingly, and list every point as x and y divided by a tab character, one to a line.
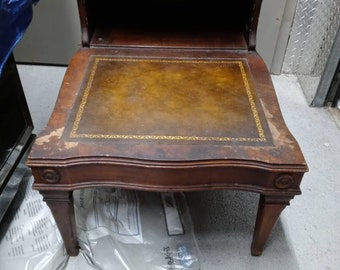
117	230
143	230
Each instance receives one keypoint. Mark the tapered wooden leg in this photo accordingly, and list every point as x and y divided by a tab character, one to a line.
61	205
269	210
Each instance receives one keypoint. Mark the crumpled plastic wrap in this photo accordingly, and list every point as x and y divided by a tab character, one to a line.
117	230
15	17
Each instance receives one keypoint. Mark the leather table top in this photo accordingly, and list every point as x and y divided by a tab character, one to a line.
167	105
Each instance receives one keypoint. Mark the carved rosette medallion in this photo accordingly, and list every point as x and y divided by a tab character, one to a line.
284	181
50	175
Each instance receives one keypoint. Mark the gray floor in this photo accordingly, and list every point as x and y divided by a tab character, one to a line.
307	235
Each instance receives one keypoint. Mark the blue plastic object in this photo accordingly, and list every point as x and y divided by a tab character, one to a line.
15	17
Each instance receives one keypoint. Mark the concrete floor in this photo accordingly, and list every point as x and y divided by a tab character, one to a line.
307	235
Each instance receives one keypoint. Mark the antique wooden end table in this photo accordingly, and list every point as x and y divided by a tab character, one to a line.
167	116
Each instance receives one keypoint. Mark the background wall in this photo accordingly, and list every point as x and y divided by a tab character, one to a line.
53	35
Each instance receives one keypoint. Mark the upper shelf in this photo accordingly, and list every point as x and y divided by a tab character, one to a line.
192	24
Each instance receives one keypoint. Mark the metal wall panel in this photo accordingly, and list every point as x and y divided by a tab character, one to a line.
311	39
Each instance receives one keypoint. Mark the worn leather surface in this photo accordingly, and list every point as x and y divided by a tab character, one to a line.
174	99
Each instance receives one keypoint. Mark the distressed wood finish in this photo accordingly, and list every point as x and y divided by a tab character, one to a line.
180	114
61	205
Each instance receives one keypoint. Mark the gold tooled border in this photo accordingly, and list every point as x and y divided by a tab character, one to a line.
74	134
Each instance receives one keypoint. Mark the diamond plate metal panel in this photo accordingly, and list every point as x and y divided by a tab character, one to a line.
298	45
311	39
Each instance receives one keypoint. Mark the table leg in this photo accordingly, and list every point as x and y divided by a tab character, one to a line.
269	210
61	205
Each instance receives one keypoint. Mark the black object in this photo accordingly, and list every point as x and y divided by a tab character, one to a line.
16	127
